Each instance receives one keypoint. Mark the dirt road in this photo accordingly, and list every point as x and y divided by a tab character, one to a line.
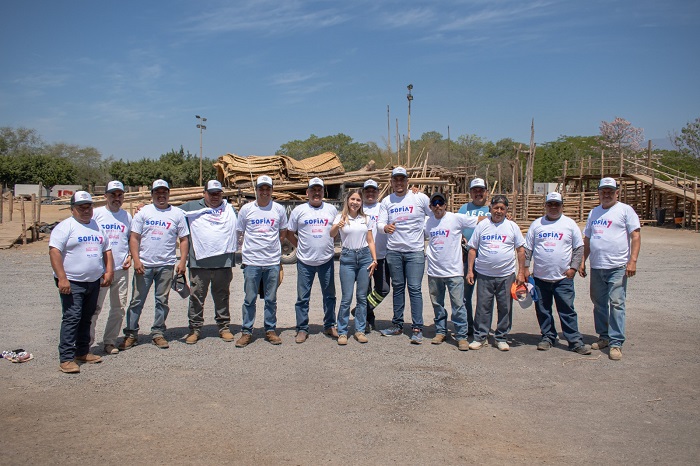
383	402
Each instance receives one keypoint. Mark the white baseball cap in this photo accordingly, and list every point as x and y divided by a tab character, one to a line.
264	179
80	197
214	185
554	197
607	183
370	184
315	182
477	183
114	186
160	184
399	171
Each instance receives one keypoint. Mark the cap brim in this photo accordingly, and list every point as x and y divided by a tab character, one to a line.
82	202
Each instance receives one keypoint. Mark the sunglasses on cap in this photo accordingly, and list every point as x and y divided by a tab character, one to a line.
437	202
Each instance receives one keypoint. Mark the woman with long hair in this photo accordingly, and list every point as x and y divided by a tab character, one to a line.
358	260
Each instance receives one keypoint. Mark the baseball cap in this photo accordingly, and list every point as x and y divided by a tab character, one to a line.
370	184
607	183
160	184
521	294
477	183
264	179
554	197
315	182
399	171
213	186
80	197
438	195
114	186
180	286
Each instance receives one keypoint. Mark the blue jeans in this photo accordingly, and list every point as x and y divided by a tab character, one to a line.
562	293
353	269
78	308
608	293
305	279
488	289
406	269
252	276
162	277
455	287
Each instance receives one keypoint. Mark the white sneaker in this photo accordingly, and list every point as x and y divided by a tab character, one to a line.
503	346
475	345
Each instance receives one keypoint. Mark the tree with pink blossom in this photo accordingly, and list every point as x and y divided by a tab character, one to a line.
620	136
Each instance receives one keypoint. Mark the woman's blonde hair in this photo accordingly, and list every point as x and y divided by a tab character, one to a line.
345	212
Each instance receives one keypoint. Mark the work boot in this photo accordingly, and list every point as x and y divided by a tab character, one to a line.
360	337
439	338
69	367
244	341
600	344
272	337
128	342
192	338
89	358
331	332
463	345
161	342
301	336
226	335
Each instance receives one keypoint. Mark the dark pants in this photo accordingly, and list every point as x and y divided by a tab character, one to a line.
491	288
78	307
562	293
200	281
468	293
380	290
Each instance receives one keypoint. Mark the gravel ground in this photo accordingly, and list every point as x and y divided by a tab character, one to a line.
383	402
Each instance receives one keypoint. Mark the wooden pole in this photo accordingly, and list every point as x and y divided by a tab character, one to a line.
398	146
580	178
38	207
580	207
24	223
2	202
563	178
695	196
34	227
12	205
685	203
388	129
602	163
500	186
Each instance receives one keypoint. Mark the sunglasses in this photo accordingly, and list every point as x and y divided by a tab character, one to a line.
437	202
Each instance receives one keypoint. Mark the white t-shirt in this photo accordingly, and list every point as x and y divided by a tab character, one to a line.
312	225
82	247
444	251
213	230
354	234
408	214
159	230
261	228
117	226
372	212
552	243
609	233
495	244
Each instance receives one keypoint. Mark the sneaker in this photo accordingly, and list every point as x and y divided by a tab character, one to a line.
129	342
476	345
417	337
192	338
301	336
342	340
544	345
503	346
393	330
582	349
463	345
69	367
615	353
600	344
111	349
331	332
439	338
244	341
360	337
89	358
272	337
226	335
161	342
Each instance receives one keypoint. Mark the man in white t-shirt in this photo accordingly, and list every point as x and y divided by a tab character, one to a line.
308	230
446	268
116	223
553	242
263	223
493	248
81	258
402	217
155	230
213	240
612	239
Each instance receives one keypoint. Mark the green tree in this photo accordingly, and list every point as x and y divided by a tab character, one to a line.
688	141
550	156
353	155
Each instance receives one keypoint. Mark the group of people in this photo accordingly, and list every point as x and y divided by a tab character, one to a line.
383	250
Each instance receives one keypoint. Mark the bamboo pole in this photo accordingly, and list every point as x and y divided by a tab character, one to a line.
35	236
695	195
38	207
602	163
12	205
499	177
2	202
563	178
685	203
24	223
580	207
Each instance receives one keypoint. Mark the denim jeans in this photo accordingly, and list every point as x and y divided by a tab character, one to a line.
201	280
252	276
488	289
406	269
455	287
468	295
562	293
118	292
162	277
305	279
353	269
78	307
608	293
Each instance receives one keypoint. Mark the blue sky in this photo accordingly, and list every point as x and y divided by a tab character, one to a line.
129	77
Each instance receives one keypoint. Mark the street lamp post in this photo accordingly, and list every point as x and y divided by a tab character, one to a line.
409	96
201	127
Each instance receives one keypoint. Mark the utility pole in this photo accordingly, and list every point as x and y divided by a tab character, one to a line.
201	127
409	96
